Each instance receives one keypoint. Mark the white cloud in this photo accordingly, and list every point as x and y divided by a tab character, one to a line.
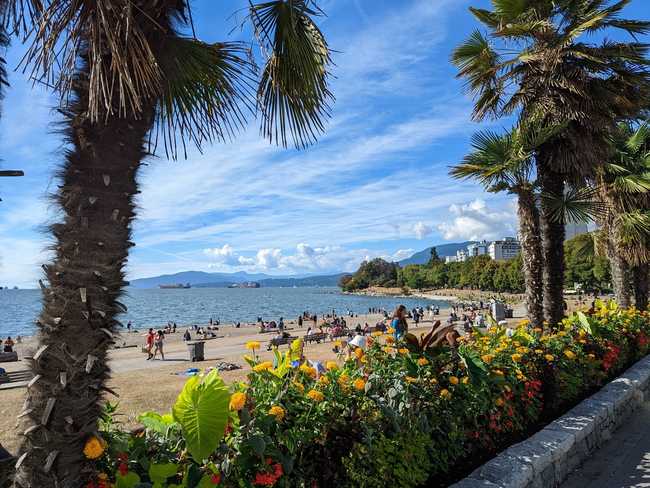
421	230
269	258
402	254
476	221
222	255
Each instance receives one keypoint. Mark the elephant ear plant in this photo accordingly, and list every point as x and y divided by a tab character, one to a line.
128	77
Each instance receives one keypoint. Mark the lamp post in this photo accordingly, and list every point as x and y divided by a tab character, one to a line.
11	172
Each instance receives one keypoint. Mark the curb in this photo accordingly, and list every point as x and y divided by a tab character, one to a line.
545	459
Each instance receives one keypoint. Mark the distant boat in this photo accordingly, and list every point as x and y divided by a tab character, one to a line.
175	287
247	284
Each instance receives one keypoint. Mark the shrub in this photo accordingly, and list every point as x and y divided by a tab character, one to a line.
398	415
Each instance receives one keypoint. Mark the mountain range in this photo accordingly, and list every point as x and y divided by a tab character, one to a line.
201	279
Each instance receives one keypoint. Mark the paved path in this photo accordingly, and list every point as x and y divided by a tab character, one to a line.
623	462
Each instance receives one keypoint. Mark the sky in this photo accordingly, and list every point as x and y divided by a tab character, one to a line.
375	185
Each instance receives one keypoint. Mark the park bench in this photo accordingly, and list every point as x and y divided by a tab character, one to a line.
277	342
341	333
8	357
318	337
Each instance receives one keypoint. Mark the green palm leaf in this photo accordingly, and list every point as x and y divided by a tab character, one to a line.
293	93
208	91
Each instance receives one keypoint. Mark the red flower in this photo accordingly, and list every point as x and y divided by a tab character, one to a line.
216	479
123	468
122	457
91	484
264	479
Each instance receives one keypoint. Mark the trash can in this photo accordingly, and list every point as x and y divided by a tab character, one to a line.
196	349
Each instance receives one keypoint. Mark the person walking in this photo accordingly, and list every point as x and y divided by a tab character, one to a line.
398	323
158	345
149	344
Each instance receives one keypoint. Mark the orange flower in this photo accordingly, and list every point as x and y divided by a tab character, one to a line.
237	401
359	384
315	395
453	380
278	412
94	448
423	361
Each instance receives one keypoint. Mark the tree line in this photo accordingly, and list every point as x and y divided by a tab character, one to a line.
582	266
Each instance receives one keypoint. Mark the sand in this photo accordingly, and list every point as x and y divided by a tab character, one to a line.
153	385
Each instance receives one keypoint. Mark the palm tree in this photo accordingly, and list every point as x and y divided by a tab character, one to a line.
534	63
504	163
624	184
126	77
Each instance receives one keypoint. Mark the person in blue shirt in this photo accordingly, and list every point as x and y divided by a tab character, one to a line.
399	322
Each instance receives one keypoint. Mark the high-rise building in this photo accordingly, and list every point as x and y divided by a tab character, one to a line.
477	249
508	248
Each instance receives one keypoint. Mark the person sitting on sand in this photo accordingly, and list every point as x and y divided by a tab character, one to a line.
309	331
9	345
158	345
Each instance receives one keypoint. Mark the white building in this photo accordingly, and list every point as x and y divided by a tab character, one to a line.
461	256
503	250
450	259
477	249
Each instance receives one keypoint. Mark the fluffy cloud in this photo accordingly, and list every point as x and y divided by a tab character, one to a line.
422	230
476	221
402	254
222	255
269	258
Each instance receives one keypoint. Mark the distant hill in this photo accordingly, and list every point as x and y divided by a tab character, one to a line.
200	279
443	251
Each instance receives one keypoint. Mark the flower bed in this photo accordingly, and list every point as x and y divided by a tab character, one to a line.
405	414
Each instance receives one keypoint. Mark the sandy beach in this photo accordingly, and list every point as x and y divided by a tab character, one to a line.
153	385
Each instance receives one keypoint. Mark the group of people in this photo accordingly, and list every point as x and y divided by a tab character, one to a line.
154	344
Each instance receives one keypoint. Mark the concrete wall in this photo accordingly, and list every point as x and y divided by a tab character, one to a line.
545	459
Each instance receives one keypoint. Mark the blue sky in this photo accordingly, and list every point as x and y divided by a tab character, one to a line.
375	185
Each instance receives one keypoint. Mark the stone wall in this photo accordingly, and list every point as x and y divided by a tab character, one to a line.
545	459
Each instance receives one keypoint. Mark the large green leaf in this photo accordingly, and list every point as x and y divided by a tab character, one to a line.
159	473
202	412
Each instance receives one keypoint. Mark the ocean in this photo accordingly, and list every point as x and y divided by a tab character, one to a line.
151	308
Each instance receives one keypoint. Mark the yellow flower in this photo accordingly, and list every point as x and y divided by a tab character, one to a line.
434	381
591	356
549	357
524	322
331	365
252	345
338	343
499	402
453	380
390	340
358	352
377	333
497	372
537	330
315	395
102	477
423	361
487	358
403	350
237	401
265	366
278	412
539	351
343	380
299	386
516	357
389	350
465	380
569	354
444	393
522	350
94	448
359	384
390	330
324	380
410	379
308	370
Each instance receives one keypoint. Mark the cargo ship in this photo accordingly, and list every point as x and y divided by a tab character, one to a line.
247	284
175	287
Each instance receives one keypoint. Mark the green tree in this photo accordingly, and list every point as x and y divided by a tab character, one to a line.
534	62
126	76
624	183
504	163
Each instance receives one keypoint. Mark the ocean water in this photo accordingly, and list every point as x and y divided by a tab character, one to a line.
150	308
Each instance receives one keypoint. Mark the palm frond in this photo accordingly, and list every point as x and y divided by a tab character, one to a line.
509	10
639	138
66	31
293	93
574	205
208	90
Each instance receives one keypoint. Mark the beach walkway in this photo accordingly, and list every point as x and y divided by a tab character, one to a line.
624	462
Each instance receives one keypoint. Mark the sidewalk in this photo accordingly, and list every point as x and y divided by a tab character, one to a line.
624	462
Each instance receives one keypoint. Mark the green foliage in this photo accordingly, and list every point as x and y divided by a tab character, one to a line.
376	272
583	266
202	412
400	460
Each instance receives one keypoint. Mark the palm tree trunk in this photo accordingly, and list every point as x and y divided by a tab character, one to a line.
98	183
641	276
553	233
531	253
621	275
